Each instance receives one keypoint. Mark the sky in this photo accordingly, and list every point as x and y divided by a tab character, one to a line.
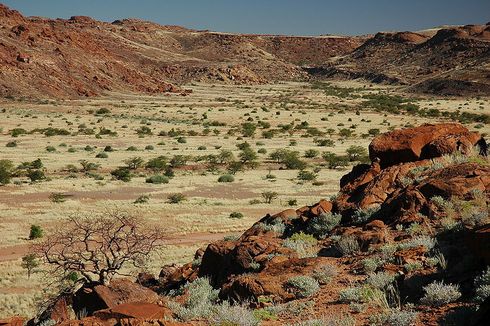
289	17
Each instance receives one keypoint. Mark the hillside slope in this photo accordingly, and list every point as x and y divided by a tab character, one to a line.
84	57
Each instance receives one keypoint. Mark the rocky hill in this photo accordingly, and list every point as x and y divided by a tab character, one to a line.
83	57
404	242
451	61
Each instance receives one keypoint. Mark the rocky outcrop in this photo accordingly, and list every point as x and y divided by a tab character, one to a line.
424	142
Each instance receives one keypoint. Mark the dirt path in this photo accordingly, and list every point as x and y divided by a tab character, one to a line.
11	253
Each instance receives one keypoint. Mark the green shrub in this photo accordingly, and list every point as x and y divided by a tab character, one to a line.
306	175
102	111
143	199
303	286
311	153
36	232
134	163
157	164
35	175
236	215
122	173
226	178
176	198
348	245
269	196
321	225
157	179
356	153
439	294
17	132
334	161
50	149
11	144
102	155
6	170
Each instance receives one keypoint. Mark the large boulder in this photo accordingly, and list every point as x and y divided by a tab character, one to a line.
372	187
410	204
271	282
139	310
99	297
424	142
223	259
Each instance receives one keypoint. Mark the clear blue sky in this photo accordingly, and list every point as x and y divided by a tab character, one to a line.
296	17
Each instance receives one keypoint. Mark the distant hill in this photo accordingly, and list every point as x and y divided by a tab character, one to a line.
80	56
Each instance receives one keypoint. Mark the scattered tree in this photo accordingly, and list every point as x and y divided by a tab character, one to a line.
97	247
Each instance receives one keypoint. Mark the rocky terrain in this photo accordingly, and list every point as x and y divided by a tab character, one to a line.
447	61
83	57
404	242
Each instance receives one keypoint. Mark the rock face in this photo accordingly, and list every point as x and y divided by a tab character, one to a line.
424	142
118	292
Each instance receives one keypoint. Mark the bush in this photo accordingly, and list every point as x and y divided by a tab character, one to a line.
17	132
324	273
311	153
347	245
6	169
122	173
334	161
421	240
321	225
157	179
482	286
36	175
302	243
438	294
380	280
11	144
143	199
236	215
362	216
356	153
176	198
102	111
269	196
226	178
306	175
157	164
102	155
395	317
50	149
225	314
199	303
303	286
36	232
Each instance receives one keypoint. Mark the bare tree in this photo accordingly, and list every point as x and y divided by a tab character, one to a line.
98	246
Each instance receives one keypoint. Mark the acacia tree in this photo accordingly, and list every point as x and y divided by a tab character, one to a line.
97	247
